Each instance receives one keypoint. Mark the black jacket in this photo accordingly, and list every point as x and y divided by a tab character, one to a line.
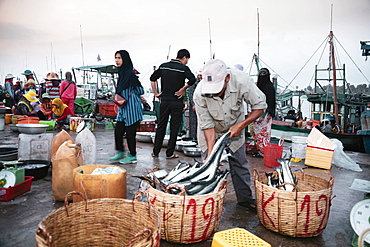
173	75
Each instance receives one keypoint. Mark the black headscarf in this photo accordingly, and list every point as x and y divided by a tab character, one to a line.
265	85
126	75
69	77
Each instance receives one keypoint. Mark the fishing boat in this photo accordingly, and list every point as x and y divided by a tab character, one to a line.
345	107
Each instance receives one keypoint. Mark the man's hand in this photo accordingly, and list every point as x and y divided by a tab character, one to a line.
180	93
158	95
236	130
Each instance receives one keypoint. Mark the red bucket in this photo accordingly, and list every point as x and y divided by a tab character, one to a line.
271	152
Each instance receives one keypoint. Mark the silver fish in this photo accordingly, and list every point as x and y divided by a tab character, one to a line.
181	167
287	174
212	163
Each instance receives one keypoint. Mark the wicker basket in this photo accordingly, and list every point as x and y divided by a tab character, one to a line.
101	222
188	219
301	213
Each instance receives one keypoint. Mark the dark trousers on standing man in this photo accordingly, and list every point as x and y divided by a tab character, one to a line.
173	109
119	132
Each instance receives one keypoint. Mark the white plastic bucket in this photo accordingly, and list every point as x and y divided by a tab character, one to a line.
299	144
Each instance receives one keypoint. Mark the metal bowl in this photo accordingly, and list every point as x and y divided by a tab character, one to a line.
181	144
192	151
144	136
13	127
32	128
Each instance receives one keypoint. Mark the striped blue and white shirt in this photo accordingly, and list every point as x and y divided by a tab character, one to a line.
133	110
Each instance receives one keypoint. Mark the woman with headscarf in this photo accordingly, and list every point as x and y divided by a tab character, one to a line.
61	113
24	106
68	91
262	126
130	115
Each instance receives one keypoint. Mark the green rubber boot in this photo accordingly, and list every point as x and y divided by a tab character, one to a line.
129	160
119	155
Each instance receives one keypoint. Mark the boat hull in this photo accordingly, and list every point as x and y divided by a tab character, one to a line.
351	142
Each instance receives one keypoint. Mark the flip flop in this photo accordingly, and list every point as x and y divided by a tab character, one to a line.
174	156
251	206
153	155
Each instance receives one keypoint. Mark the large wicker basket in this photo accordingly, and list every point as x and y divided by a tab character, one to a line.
301	213
188	219
101	222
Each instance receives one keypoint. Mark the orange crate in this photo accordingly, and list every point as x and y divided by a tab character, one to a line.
108	109
7	194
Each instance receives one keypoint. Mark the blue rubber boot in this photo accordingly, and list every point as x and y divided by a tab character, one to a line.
119	155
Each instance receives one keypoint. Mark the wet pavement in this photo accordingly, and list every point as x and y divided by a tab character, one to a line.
19	217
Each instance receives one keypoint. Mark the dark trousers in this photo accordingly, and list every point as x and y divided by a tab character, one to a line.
119	132
239	174
173	109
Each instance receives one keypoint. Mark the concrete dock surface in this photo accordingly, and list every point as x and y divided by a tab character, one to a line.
19	217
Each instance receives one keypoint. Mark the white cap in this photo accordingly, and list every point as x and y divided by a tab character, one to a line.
213	74
9	76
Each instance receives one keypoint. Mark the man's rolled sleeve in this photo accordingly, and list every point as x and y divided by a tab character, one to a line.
254	96
205	121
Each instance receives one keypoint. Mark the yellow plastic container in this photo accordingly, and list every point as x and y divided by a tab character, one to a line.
237	237
8	118
319	157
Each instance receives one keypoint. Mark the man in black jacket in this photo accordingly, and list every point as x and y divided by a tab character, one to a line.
173	85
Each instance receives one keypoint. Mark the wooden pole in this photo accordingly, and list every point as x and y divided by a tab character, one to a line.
335	97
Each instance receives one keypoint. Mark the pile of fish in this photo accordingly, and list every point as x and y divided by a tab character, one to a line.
197	179
285	179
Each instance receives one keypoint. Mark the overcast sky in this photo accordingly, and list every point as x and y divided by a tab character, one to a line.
45	35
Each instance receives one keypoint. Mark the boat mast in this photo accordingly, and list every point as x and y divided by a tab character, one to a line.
210	39
335	97
258	33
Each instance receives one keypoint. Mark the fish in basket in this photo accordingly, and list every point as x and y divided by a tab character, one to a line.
189	198
297	206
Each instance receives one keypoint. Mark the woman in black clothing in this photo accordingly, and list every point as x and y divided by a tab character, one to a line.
262	126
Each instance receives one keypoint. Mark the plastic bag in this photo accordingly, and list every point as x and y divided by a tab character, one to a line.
341	159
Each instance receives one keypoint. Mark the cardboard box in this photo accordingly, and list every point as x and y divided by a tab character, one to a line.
319	157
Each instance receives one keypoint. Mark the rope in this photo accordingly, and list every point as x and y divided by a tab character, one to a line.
304	65
352	60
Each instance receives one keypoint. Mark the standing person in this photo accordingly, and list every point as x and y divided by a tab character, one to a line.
61	113
28	74
9	87
193	122
30	85
52	85
68	91
218	99
173	75
130	115
262	125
